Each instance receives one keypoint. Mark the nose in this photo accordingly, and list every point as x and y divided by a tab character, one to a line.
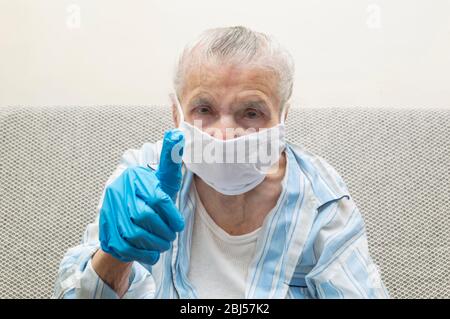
224	128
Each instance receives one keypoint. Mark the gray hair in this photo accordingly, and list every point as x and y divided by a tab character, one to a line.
238	45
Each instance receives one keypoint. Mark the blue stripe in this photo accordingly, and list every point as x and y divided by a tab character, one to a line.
184	288
278	244
166	289
261	284
96	287
360	274
351	280
309	259
330	291
262	261
269	229
297	210
101	291
324	266
298	293
336	243
321	187
318	226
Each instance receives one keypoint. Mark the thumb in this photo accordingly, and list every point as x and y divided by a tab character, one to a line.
169	169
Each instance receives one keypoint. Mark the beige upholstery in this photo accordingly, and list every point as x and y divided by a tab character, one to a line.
54	163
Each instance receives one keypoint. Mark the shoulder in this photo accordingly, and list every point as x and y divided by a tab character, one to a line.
327	184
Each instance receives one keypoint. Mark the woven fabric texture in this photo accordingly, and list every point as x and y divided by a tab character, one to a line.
54	162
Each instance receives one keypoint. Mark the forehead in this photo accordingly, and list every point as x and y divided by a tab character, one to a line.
226	78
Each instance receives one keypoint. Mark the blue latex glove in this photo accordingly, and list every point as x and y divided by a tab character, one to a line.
169	170
138	218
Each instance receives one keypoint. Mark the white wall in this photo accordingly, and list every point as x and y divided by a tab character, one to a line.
393	53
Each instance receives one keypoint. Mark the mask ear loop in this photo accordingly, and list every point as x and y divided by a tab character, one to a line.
283	113
175	100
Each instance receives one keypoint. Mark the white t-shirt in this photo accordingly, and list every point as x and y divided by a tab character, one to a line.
219	261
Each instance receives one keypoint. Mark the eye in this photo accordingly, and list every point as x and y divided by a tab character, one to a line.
252	114
203	110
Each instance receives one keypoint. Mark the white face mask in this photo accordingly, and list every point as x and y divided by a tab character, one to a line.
231	166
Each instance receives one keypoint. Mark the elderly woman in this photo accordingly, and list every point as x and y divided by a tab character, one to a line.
185	218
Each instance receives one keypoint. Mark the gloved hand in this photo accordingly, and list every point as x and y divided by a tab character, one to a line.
138	218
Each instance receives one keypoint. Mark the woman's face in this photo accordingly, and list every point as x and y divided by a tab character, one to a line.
227	101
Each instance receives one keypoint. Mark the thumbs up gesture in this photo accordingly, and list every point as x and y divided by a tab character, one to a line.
169	170
138	217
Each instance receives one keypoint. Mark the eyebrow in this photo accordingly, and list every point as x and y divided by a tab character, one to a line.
200	100
259	103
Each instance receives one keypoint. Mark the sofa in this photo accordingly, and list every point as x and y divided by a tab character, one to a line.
54	162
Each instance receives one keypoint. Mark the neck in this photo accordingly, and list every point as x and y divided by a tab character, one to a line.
244	213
